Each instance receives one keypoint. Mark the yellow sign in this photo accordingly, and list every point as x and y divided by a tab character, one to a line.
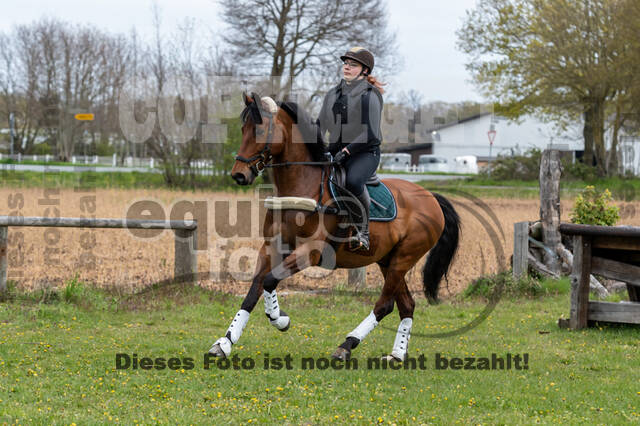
84	117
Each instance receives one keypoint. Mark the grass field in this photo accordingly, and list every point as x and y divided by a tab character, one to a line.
621	189
58	351
121	180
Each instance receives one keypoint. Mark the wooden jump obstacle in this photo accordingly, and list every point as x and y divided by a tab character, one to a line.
186	265
614	253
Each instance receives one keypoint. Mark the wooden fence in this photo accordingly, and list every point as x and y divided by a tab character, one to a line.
186	265
612	252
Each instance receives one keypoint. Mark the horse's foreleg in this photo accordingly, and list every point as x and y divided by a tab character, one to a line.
302	257
222	346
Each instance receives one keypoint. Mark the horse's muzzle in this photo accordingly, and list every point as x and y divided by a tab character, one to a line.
240	178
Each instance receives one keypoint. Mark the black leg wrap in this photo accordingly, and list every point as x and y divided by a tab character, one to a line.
270	282
350	343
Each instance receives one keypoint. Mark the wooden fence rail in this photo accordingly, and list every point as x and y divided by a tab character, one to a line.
186	265
612	252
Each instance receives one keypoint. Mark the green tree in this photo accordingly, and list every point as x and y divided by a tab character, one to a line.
561	59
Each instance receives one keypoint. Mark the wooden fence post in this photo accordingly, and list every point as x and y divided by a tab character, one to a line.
358	278
186	258
550	171
4	232
580	281
520	249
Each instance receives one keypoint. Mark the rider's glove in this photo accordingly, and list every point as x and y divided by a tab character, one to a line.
341	157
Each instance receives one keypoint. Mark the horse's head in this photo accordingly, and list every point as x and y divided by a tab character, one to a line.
262	138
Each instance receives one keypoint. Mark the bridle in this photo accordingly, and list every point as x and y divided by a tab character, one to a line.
264	155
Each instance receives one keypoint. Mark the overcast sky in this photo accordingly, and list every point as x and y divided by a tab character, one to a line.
425	29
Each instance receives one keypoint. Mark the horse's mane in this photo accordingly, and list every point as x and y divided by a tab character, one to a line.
309	129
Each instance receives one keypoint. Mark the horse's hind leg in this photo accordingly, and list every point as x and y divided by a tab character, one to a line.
382	308
406	306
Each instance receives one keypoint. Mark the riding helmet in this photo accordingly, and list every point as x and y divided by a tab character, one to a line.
360	55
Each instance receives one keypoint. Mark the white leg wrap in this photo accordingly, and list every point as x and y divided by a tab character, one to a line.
401	344
234	332
225	345
271	307
237	325
365	327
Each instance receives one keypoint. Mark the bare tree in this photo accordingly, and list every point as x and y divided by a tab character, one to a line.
284	38
160	69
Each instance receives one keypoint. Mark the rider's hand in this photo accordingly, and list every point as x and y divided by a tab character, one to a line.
341	157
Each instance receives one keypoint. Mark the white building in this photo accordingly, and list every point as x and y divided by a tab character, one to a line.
471	136
629	154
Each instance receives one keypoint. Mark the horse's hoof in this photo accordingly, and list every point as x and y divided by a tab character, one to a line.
342	354
287	327
390	358
217	351
221	348
282	323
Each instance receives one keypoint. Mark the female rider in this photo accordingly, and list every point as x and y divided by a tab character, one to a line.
351	113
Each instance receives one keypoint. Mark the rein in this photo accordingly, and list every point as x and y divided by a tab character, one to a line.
301	163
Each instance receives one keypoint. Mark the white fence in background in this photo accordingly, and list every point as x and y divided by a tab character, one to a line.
199	167
111	160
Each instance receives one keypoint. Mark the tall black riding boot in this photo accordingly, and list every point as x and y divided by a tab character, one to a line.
363	227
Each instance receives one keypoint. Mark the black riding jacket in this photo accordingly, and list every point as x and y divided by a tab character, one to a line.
351	113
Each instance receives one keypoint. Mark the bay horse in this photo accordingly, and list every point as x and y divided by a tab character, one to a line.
283	137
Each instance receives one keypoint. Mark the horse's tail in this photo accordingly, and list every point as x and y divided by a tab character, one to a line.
440	256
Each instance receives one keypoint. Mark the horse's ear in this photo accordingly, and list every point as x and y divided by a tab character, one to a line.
245	98
255	109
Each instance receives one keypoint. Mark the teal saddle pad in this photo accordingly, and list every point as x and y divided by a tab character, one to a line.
383	205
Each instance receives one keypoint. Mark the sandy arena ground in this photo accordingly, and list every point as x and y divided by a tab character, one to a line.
49	257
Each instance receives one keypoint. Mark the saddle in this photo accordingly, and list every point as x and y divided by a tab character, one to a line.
382	206
382	202
339	176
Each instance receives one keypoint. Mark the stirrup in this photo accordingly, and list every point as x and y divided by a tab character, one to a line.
361	242
364	242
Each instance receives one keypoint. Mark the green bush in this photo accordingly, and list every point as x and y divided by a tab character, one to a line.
73	290
519	167
104	149
503	284
42	149
578	171
593	208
